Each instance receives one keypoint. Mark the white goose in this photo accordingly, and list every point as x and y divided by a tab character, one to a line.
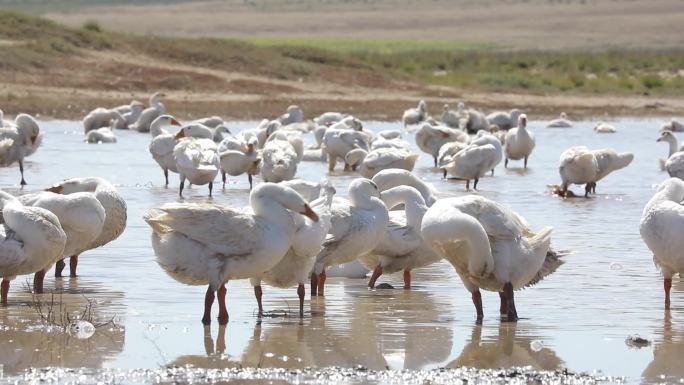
446	154
430	138
473	120
415	115
162	144
297	263
504	120
490	247
673	126
18	141
357	226
402	246
31	239
674	164
578	165
605	128
212	244
102	117
328	118
338	142
608	160
476	160
386	179
279	159
519	142
660	228
115	212
81	216
238	157
130	112
197	160
101	135
149	114
294	114
370	163
561	122
450	118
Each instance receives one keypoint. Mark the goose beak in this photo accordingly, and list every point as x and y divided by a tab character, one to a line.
659	139
309	213
174	122
180	135
55	189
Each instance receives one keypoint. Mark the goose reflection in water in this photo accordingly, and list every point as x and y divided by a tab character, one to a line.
668	354
508	349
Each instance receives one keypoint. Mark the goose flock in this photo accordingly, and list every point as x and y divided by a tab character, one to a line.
295	231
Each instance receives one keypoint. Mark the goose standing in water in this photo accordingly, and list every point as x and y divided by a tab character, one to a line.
17	142
402	246
450	118
674	164
476	160
31	239
519	142
130	112
338	142
431	138
490	247
297	263
357	226
149	114
197	160
162	144
238	157
81	216
115	212
578	165
200	244
561	122
380	159
660	228
415	115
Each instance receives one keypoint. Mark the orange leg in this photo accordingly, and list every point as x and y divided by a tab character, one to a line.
667	284
314	284
223	312
301	293
73	263
407	279
258	294
4	290
59	267
376	274
208	302
38	281
321	283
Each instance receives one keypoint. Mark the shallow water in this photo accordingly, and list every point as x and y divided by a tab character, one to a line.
577	319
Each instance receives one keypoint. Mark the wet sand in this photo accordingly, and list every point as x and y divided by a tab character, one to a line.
577	319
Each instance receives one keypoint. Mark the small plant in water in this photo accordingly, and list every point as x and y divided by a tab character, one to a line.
80	323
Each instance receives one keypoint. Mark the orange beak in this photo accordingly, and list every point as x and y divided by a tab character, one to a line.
174	122
180	134
55	189
250	148
309	213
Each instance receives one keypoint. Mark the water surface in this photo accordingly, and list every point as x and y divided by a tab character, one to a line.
577	319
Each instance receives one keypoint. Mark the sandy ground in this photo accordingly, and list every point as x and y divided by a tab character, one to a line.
531	24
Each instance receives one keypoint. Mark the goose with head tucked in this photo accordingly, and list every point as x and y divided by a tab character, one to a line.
504	120
280	158
239	157
357	226
370	163
473	162
605	128
660	228
338	142
519	142
31	239
490	246
18	141
297	263
197	160
578	165
430	138
113	203
200	244
402	246
386	179
101	135
82	218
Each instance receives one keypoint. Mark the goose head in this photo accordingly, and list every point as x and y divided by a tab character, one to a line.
361	192
667	136
446	107
422	106
266	197
522	121
74	185
195	130
163	120
563	115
